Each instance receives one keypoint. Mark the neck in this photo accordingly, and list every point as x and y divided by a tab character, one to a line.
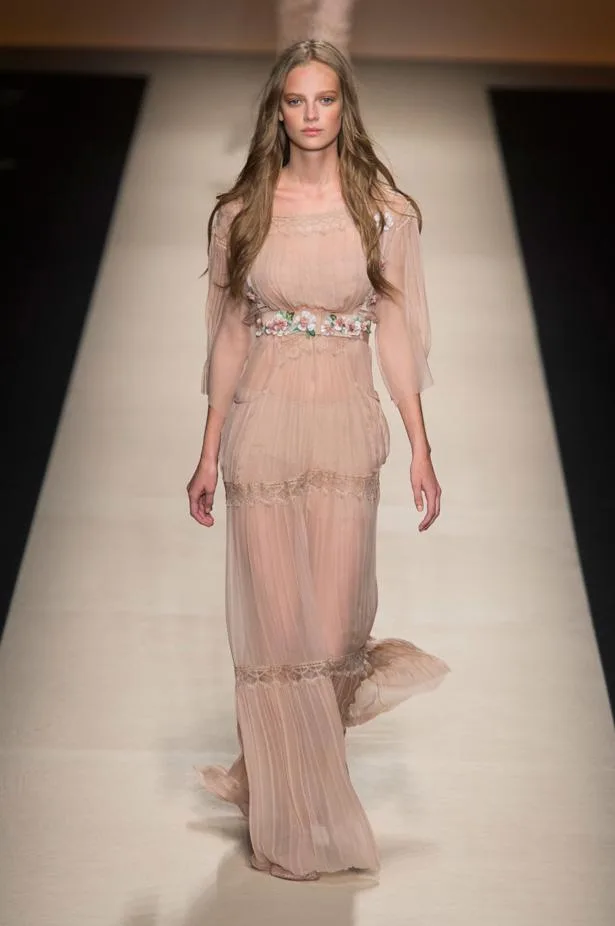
318	170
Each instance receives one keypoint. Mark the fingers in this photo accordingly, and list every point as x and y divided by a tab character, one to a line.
201	506
207	500
432	495
418	497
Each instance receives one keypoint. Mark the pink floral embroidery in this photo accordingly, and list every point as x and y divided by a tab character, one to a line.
303	321
346	325
386	222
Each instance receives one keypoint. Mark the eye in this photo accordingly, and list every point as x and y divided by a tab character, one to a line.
292	101
327	100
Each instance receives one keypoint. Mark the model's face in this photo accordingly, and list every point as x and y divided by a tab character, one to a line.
311	106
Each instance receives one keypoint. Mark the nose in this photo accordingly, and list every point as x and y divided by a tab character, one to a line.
310	112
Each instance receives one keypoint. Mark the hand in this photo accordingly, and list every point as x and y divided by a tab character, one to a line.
201	489
424	483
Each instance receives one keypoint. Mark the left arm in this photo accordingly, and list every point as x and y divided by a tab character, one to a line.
422	475
403	340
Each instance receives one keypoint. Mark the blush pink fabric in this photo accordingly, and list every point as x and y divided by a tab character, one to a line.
302	446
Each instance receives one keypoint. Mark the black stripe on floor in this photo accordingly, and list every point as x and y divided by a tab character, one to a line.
63	145
559	154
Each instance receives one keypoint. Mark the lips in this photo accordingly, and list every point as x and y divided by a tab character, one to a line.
311	131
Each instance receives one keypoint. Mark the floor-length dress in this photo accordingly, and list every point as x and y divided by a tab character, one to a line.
304	438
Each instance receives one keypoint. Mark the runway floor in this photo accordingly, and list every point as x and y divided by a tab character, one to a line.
493	799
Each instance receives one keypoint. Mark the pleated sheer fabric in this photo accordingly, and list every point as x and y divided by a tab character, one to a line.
289	366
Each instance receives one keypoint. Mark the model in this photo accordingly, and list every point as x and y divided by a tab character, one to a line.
312	250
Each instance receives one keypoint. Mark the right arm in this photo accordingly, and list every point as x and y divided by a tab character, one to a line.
228	343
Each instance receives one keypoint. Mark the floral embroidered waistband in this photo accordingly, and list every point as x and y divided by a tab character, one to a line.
302	321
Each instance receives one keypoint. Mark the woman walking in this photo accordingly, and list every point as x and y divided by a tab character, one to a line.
312	249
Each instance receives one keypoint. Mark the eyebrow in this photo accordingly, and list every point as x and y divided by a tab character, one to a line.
320	93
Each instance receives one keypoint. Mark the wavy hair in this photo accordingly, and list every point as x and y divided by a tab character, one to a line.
364	178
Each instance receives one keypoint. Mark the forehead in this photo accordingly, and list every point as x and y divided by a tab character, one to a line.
312	77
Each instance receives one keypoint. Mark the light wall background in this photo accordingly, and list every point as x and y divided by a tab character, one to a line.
549	31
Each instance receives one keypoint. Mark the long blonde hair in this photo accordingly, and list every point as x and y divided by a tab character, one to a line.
363	176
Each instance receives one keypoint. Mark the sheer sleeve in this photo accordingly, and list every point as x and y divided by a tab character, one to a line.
403	336
228	337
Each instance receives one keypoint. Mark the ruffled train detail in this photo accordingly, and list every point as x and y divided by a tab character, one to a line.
372	681
223	784
395	671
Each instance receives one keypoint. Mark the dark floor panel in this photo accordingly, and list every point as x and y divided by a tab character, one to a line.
63	144
560	158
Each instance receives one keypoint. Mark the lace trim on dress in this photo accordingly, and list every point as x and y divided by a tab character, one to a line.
355	665
319	222
270	493
332	220
311	222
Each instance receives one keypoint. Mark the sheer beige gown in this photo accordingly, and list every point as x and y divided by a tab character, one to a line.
289	366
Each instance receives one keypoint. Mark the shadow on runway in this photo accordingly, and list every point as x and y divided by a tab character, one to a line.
242	896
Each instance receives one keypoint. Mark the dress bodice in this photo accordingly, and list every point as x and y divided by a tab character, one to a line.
310	279
310	263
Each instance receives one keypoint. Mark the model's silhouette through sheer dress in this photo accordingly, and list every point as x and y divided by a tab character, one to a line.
312	252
